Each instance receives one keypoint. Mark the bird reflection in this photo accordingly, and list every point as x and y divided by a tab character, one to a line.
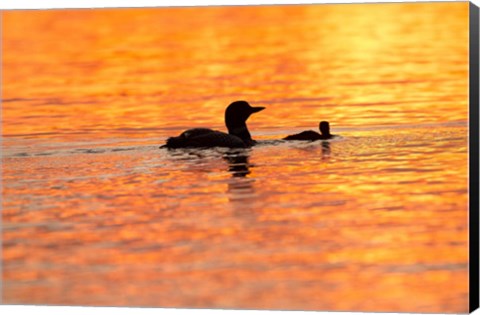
325	150
238	165
240	187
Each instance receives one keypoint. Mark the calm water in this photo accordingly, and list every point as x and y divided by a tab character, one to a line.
375	220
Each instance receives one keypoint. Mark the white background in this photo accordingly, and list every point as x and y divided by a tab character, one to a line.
44	4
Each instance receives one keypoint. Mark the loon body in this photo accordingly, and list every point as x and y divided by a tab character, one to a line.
238	135
310	135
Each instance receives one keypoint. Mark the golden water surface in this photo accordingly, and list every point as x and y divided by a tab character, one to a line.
94	213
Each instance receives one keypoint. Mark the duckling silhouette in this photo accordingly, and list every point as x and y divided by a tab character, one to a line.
238	135
311	135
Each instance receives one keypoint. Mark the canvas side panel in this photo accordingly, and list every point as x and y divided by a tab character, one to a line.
474	158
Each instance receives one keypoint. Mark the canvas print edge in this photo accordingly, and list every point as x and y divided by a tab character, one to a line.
474	169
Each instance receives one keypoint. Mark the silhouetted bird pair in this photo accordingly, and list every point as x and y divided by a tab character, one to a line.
238	135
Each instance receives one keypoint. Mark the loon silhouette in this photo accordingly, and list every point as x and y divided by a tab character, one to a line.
312	135
238	135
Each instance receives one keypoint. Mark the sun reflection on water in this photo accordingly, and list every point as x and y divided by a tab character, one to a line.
95	214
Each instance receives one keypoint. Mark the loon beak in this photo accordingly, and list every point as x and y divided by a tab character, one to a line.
256	109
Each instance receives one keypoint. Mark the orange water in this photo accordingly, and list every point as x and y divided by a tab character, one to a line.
375	220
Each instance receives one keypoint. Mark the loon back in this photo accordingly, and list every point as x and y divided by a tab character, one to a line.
203	137
304	135
308	135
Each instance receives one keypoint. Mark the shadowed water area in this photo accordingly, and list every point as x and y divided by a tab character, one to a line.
94	213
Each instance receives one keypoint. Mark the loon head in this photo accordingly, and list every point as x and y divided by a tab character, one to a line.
324	128
236	116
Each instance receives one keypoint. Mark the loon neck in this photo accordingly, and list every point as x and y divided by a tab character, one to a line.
240	131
